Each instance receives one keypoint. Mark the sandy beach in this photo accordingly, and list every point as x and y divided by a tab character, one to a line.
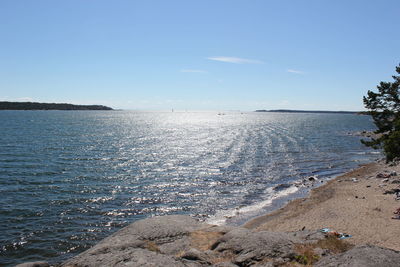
354	203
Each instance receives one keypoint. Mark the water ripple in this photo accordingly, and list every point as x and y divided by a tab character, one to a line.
68	179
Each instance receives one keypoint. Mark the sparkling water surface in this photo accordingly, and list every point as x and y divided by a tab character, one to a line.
70	178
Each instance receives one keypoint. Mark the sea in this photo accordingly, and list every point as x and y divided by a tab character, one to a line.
70	178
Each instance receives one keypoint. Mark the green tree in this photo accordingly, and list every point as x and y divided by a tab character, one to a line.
384	107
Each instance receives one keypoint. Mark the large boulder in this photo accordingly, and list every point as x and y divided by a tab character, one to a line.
251	247
363	256
139	244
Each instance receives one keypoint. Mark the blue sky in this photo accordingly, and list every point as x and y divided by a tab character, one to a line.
198	55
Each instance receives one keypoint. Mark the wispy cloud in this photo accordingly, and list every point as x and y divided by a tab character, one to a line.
193	71
295	71
236	60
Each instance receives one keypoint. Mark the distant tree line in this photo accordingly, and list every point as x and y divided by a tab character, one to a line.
307	111
5	105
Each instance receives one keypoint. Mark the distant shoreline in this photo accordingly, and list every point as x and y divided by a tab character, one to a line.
310	111
5	105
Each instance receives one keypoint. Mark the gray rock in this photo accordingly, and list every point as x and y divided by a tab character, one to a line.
181	241
251	247
139	244
33	264
308	236
272	263
163	228
320	252
183	244
265	264
189	263
195	255
363	256
176	247
225	264
123	258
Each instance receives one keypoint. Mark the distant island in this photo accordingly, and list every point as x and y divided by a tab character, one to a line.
5	105
310	111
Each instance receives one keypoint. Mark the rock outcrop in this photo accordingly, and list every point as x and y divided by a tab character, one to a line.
182	241
363	256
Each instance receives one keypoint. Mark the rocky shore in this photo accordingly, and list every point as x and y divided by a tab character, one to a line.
182	241
358	206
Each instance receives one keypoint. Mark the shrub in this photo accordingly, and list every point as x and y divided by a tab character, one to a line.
384	107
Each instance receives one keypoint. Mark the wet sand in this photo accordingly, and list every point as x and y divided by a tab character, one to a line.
353	203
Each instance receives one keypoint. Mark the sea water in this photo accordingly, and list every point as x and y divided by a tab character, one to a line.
70	178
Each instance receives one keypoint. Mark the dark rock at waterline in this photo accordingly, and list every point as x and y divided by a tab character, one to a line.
312	178
281	187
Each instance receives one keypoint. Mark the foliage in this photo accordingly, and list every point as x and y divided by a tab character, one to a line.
334	245
307	259
384	107
306	255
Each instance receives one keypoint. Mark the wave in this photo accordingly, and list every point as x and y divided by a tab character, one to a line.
272	193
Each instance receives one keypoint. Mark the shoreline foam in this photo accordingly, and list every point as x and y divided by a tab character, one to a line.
237	216
353	203
278	196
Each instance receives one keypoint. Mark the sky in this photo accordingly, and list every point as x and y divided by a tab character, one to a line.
198	55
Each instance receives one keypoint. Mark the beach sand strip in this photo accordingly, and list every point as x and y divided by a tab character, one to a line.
354	203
